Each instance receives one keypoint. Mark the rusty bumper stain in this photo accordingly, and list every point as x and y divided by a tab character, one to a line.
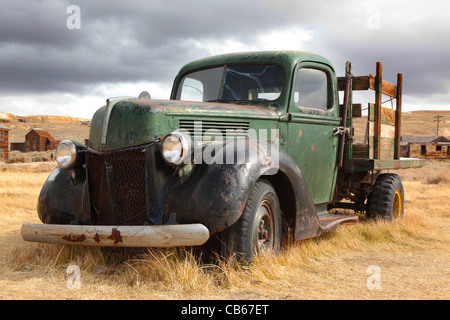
117	236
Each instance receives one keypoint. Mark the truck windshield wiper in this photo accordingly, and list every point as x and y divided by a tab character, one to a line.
228	101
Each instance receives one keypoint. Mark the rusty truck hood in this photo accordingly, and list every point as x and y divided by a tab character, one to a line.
129	121
188	107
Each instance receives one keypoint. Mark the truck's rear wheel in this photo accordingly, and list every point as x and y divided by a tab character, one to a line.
387	198
258	230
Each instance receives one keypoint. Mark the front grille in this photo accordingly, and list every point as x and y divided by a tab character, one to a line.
117	186
226	128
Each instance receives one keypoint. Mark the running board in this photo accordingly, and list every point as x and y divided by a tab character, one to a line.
330	222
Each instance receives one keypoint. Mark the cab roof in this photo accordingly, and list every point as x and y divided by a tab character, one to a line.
288	59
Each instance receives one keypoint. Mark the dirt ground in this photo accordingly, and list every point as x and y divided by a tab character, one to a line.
402	260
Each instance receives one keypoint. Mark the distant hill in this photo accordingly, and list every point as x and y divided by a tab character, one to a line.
414	123
59	127
419	123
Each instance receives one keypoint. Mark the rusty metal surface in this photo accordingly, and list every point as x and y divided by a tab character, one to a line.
117	236
331	221
140	121
347	100
117	186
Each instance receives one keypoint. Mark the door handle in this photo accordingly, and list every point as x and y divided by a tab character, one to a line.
341	131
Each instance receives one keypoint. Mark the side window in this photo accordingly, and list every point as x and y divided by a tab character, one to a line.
312	89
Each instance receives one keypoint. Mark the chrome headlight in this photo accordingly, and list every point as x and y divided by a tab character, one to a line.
67	154
176	148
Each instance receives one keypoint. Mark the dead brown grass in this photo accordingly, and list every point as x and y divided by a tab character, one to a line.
412	254
27	157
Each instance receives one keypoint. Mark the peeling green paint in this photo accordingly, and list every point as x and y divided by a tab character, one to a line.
137	121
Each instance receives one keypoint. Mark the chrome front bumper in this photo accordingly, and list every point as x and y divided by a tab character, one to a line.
118	236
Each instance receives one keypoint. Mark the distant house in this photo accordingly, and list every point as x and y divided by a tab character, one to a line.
4	142
39	140
36	140
425	147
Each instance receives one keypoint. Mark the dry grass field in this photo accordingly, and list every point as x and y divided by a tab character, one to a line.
406	259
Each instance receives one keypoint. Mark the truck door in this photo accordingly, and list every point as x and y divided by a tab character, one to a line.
314	114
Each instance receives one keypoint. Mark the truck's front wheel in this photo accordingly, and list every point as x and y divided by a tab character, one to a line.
258	230
386	200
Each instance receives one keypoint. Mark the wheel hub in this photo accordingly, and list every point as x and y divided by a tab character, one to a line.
264	230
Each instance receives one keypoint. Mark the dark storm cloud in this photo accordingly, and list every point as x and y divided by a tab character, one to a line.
130	41
119	41
411	39
33	23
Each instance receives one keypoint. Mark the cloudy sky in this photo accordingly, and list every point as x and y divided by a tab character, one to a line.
57	59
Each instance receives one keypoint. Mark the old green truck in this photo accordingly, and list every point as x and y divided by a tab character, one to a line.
249	147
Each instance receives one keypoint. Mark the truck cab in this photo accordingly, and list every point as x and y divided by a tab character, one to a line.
301	89
246	143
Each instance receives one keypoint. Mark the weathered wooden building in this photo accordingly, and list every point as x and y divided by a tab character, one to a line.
4	142
39	140
425	147
36	140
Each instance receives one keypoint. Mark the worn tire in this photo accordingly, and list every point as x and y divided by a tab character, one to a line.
258	230
386	201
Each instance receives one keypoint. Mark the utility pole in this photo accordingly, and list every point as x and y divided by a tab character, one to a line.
438	119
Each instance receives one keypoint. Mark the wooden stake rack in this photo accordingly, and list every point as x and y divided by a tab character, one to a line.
384	143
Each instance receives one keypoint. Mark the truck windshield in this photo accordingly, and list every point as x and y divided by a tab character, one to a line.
233	83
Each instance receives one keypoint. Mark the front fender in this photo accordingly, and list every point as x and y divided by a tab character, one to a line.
60	200
215	194
295	198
